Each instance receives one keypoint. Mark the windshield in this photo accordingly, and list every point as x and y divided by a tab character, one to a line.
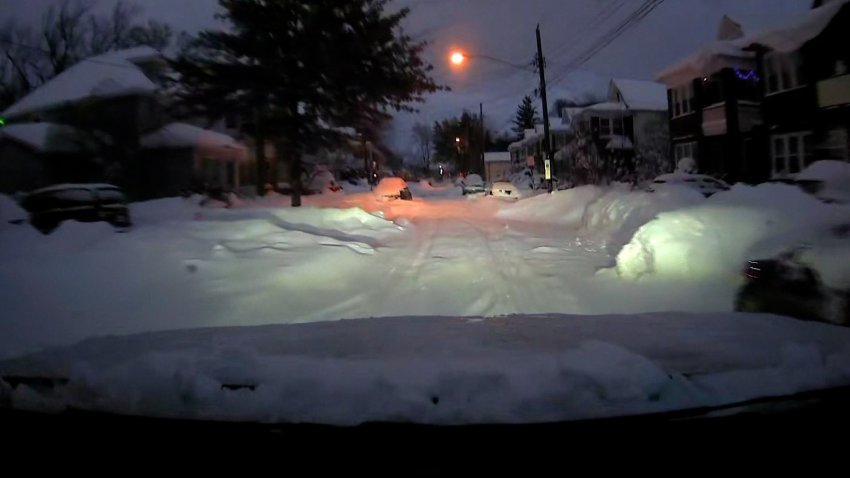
422	212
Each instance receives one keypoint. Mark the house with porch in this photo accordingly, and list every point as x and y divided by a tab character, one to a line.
763	106
614	139
105	119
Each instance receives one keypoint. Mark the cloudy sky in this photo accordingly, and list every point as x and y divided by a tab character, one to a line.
505	29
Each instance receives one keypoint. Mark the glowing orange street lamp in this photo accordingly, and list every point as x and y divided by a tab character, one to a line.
457	58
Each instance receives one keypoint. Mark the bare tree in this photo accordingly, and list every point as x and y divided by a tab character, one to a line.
69	32
422	136
653	151
63	34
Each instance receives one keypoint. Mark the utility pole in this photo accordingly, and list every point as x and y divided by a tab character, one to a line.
547	140
481	121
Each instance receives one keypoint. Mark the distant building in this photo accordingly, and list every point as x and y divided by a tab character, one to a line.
528	151
497	166
612	139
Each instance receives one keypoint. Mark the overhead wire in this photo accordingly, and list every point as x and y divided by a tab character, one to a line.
633	19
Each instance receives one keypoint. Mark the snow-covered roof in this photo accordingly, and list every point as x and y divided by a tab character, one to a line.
497	157
60	187
619	142
604	109
607	106
571	112
44	137
792	36
108	75
183	135
176	135
709	59
641	95
731	53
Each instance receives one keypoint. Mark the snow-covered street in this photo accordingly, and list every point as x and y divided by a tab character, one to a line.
554	267
185	266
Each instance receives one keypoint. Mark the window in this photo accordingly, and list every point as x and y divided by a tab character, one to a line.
685	150
604	127
682	100
790	153
783	72
618	126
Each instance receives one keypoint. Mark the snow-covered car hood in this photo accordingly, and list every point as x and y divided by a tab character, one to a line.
440	370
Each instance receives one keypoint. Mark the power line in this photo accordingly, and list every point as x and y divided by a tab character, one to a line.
602	16
604	39
633	19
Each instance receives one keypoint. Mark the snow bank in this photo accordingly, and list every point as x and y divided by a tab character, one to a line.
349	220
713	239
165	210
613	213
826	170
440	370
10	210
832	178
424	189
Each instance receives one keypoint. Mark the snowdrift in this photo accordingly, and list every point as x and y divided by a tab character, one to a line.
613	213
713	239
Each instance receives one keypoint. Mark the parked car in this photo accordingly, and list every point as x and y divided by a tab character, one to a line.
48	207
828	180
504	189
473	184
810	281
391	188
706	185
323	182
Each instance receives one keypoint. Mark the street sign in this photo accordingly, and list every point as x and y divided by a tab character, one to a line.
547	164
529	160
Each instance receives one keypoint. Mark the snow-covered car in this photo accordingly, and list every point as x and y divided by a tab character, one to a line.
828	180
472	184
48	207
504	189
392	188
323	182
809	281
706	185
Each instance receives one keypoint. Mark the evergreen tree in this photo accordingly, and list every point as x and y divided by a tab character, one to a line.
465	153
296	68
526	116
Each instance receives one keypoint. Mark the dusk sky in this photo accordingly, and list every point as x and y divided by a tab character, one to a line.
505	29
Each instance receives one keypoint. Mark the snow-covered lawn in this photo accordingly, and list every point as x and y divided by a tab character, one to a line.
670	259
